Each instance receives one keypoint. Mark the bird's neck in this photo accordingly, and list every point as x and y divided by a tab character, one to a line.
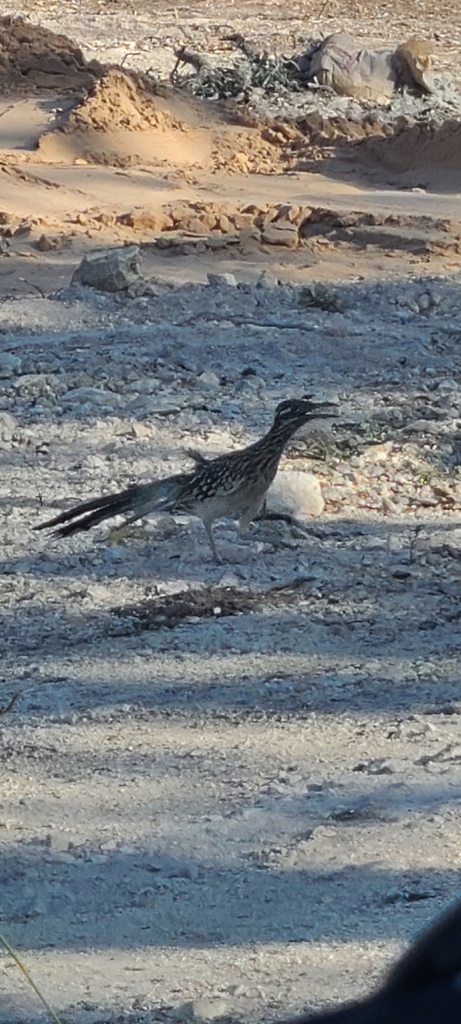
279	435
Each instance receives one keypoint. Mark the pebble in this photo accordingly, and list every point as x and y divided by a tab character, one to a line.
8	425
9	364
267	280
210	380
389	507
220	280
58	841
229	579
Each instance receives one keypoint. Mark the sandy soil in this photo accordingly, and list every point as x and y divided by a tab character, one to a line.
228	791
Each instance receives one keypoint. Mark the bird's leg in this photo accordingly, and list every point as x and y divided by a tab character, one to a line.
246	518
208	527
242	532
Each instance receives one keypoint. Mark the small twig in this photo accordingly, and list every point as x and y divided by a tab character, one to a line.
30	980
37	286
439	757
185	56
173	73
11	703
322	9
131	53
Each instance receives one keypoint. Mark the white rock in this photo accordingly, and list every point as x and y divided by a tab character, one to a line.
58	841
229	579
267	280
296	493
217	280
8	426
209	379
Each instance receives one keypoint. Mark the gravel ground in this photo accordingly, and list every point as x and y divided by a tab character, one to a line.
229	791
235	814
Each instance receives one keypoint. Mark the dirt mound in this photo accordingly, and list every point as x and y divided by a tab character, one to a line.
127	120
33	58
124	122
121	101
419	145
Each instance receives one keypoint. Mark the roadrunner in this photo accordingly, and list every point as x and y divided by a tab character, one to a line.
230	486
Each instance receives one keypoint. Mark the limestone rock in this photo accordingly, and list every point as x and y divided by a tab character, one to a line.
250	239
296	493
45	243
8	425
141	219
281	232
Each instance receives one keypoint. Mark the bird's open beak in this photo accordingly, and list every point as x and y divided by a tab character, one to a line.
322	409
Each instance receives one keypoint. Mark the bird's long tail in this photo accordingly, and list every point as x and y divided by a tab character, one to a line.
139	500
